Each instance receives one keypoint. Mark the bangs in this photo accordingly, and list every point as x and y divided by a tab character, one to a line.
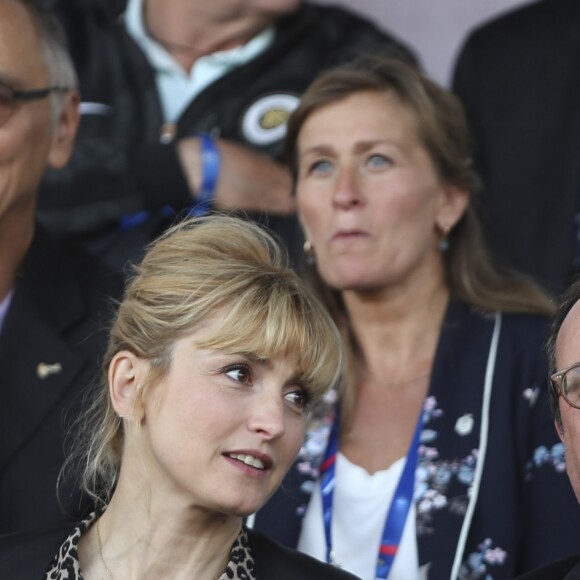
271	320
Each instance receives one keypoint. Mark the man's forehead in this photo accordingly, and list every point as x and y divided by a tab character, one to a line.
568	341
21	54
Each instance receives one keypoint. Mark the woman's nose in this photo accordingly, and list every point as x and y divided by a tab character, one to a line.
267	417
347	193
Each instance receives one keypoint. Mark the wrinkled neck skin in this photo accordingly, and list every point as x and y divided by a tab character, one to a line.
204	26
397	328
149	534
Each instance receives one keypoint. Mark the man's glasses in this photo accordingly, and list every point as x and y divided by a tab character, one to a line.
567	384
9	97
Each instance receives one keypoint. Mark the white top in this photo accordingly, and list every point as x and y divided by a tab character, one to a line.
177	87
360	505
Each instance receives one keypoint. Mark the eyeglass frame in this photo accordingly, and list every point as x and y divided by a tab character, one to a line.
556	384
28	95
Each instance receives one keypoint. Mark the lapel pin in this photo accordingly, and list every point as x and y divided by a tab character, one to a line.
44	370
464	425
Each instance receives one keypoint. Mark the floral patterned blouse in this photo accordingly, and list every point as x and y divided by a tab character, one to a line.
491	494
65	565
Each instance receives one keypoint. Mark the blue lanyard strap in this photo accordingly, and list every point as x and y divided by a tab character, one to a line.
398	510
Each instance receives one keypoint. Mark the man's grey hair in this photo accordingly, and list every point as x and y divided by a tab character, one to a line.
59	63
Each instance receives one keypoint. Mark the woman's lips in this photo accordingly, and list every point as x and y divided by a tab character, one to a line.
348	235
250	461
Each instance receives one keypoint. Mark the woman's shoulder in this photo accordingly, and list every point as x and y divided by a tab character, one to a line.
527	321
526	333
27	555
524	324
276	561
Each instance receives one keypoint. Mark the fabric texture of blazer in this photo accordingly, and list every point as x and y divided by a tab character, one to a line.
565	569
517	78
491	492
51	346
27	557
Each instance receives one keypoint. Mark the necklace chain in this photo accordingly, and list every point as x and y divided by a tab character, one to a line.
101	550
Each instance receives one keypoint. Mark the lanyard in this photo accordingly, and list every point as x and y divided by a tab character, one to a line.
398	510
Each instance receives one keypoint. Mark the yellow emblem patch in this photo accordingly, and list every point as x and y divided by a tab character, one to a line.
264	121
274	118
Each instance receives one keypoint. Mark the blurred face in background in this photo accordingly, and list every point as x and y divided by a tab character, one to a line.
369	198
30	138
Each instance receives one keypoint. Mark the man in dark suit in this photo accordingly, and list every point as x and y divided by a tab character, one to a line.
52	301
518	79
186	101
564	360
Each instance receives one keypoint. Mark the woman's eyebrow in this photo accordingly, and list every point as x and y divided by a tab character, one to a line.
254	358
317	150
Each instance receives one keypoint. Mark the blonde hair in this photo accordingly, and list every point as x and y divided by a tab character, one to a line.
197	269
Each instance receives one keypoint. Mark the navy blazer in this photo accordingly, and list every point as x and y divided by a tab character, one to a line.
490	463
50	349
565	569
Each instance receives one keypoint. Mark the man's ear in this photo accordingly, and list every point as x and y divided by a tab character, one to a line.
65	130
126	374
559	430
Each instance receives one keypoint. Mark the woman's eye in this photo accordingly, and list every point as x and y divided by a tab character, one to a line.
239	373
378	161
299	399
320	167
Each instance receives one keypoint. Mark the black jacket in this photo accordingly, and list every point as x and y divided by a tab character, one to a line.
28	556
120	166
517	77
58	315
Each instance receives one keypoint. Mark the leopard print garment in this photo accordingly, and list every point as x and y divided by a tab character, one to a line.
65	565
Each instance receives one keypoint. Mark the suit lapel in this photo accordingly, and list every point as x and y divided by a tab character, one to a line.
36	363
451	436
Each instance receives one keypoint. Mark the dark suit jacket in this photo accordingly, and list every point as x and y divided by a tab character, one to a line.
28	556
57	316
566	569
518	79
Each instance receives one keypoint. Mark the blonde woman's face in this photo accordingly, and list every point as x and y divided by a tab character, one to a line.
369	198
222	429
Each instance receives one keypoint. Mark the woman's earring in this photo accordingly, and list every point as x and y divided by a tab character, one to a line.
444	241
309	251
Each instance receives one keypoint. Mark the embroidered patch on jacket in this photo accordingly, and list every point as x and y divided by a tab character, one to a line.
264	121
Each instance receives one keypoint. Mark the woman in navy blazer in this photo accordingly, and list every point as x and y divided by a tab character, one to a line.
439	458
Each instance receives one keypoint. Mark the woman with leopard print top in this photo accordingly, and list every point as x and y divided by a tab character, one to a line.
216	353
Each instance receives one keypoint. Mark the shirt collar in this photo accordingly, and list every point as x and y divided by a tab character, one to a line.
161	60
